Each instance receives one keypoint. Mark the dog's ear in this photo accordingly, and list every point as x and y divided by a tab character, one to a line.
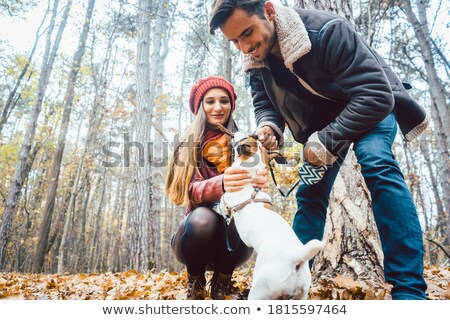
309	250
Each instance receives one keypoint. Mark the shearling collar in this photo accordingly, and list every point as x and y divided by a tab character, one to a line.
292	37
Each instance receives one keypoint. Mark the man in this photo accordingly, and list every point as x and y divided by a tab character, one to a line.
311	70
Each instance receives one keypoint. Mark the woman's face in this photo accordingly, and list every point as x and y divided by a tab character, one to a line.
217	106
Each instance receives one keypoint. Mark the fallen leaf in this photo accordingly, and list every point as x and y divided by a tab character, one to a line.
447	293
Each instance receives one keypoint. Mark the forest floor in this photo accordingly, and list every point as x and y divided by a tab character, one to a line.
172	286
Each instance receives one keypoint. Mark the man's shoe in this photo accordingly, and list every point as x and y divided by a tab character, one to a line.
220	286
196	287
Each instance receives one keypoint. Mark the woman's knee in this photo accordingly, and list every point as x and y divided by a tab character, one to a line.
202	222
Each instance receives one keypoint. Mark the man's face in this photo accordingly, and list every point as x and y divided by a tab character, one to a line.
250	34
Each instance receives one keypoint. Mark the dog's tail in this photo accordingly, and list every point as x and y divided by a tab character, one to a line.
309	250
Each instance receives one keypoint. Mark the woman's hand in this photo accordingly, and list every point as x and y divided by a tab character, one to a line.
262	180
234	179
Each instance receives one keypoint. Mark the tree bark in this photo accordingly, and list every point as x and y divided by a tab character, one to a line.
68	216
353	247
82	242
340	7
227	60
139	215
161	37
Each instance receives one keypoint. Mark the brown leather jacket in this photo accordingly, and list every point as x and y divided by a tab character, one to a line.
206	187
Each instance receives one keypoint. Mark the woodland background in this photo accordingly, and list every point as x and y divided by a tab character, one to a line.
90	111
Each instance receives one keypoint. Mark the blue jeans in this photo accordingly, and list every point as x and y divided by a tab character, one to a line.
392	204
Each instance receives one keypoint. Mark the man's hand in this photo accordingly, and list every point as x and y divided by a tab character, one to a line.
315	153
234	179
267	137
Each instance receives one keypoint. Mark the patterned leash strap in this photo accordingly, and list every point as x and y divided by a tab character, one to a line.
308	174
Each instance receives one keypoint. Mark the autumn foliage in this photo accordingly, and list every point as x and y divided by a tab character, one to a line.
172	286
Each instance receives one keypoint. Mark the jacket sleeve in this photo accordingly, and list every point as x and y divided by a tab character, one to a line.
205	190
360	75
265	112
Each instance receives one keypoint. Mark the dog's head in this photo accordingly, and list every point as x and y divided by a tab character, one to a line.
289	279
249	150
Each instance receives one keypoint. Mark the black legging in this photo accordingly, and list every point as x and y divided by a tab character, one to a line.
200	243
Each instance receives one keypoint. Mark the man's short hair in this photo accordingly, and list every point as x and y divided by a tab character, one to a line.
221	10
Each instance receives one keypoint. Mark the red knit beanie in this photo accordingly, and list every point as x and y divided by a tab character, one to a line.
203	85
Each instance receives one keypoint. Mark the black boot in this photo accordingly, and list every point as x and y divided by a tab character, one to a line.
196	287
220	286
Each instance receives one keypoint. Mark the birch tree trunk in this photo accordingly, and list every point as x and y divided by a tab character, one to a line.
57	159
140	207
20	170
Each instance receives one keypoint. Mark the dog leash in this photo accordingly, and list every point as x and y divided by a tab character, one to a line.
227	239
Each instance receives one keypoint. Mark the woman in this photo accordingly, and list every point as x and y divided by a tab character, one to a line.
199	174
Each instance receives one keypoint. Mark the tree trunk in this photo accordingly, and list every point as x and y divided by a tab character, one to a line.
70	210
434	184
227	60
353	247
95	245
116	226
19	172
437	92
57	159
139	215
340	7
161	36
82	242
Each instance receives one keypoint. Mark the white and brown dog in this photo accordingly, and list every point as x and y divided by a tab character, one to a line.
281	270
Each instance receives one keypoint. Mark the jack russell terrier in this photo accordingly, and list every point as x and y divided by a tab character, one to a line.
281	270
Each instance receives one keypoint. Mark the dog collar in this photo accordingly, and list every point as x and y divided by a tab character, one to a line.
229	212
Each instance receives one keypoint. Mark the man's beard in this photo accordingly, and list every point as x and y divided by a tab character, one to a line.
269	40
